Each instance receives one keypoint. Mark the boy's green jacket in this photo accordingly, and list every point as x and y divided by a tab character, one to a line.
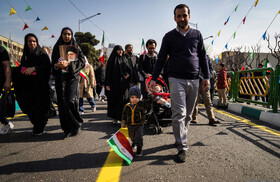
137	114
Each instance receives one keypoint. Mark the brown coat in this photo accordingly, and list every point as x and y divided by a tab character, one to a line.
86	90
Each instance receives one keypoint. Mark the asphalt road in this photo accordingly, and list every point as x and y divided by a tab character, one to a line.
232	151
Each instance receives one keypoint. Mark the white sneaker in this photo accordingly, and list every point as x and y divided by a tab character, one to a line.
94	109
5	129
81	112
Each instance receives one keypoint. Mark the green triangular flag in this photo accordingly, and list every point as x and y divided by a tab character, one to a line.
236	8
4	46
234	34
251	56
27	8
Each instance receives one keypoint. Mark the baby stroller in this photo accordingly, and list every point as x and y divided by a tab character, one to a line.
159	115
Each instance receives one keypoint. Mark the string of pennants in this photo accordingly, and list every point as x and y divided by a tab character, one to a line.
233	36
28	8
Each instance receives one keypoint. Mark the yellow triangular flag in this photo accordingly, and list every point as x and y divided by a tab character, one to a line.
256	3
13	11
279	11
45	28
219	33
220	55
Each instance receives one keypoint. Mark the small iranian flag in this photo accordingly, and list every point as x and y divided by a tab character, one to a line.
267	65
102	56
85	76
121	146
143	50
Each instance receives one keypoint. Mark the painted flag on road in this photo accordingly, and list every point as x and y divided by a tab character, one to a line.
121	146
85	76
102	56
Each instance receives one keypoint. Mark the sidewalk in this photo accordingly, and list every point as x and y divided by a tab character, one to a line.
255	111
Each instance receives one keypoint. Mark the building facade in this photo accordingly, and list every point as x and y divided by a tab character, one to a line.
14	49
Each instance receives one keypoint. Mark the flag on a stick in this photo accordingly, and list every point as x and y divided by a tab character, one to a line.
102	56
143	50
121	146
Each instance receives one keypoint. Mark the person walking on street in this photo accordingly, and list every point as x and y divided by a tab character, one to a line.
66	74
206	97
100	78
31	82
130	69
146	64
187	55
222	85
86	88
5	83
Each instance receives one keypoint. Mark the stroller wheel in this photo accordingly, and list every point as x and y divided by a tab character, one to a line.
159	130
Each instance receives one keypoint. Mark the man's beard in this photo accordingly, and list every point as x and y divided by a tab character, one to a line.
69	59
182	25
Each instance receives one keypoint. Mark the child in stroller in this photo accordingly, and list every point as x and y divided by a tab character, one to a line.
160	113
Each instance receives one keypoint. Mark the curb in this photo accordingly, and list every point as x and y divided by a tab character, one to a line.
269	117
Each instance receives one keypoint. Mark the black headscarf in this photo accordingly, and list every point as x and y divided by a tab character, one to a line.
114	53
27	54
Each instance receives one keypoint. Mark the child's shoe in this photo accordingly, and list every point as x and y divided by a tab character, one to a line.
139	152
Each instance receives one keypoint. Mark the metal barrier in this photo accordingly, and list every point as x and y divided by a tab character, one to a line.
242	87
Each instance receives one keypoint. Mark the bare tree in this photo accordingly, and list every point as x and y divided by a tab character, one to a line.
275	51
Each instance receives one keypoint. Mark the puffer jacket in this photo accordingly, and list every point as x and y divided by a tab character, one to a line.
136	115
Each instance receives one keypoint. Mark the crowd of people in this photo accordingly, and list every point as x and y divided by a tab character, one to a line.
182	56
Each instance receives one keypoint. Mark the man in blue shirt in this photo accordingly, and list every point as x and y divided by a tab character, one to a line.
187	55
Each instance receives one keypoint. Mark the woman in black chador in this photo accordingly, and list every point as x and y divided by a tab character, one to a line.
113	84
67	83
31	82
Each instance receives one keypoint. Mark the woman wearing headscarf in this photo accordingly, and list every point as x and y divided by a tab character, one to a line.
31	82
113	79
67	83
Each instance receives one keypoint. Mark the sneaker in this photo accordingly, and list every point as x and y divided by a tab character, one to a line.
182	155
81	112
194	121
94	109
168	105
213	122
102	100
5	129
139	152
38	133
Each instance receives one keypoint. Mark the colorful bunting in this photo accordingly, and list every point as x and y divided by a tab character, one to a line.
219	33
45	28
256	3
4	46
234	34
264	35
13	11
244	20
25	27
252	54
37	19
227	21
52	36
279	12
212	42
220	55
17	63
236	8
242	68
27	8
217	60
226	46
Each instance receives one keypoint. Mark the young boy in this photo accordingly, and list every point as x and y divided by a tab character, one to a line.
222	85
133	116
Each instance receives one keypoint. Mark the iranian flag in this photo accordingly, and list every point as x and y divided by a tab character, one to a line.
84	75
102	56
143	50
121	146
267	65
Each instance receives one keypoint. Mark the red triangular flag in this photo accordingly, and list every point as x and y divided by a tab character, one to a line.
244	20
17	63
242	68
52	36
25	27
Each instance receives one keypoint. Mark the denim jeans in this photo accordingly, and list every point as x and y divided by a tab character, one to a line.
81	104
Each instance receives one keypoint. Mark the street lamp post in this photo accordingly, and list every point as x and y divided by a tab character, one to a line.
87	18
211	36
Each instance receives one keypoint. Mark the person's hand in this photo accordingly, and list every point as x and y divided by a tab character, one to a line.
148	75
29	71
62	64
7	86
205	84
126	76
152	85
123	125
108	88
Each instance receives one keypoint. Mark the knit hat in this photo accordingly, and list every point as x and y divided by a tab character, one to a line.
134	91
